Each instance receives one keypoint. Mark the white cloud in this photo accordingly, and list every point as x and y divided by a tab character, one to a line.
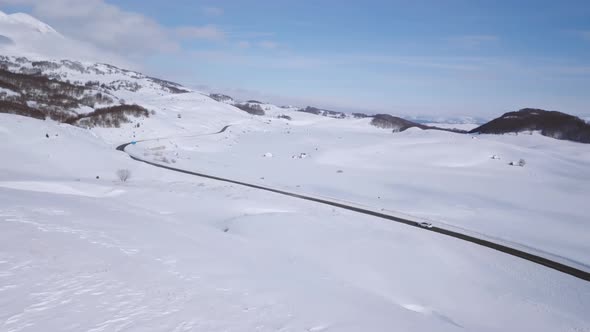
205	32
102	24
30	37
111	28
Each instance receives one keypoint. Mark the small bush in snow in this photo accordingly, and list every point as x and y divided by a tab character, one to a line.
520	163
123	174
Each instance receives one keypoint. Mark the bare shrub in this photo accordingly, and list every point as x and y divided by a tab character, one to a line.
123	174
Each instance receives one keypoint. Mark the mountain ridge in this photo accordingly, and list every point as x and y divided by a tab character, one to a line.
552	124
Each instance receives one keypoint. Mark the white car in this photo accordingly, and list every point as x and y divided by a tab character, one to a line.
425	225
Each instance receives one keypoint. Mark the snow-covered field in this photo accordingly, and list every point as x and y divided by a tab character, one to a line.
81	250
171	252
447	178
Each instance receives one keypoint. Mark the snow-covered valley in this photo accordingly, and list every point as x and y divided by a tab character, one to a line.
84	248
171	252
445	178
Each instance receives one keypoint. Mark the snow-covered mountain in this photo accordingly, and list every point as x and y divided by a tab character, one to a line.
21	24
67	91
23	35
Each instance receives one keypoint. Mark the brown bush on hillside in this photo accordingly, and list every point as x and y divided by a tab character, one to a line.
112	116
10	107
254	109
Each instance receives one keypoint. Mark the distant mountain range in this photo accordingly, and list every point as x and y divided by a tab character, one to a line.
83	93
446	119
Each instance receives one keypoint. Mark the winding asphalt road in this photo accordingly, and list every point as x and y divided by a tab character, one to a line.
479	241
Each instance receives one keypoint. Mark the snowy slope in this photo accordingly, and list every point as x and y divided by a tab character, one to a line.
22	21
176	115
159	254
122	83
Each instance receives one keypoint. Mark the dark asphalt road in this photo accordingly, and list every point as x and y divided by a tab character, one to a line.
482	242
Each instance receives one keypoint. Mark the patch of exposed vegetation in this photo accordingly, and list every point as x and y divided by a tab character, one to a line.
20	109
254	109
221	98
323	112
40	96
109	117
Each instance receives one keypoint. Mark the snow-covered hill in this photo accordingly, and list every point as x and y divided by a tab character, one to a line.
549	123
123	83
24	35
21	24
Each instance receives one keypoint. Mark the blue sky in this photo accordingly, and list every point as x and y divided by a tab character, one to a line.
406	57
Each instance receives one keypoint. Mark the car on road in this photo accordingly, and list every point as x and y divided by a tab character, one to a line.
425	225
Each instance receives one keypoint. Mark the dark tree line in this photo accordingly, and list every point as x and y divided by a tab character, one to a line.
41	97
112	116
10	107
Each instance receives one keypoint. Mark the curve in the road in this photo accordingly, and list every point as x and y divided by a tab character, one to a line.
570	270
124	145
